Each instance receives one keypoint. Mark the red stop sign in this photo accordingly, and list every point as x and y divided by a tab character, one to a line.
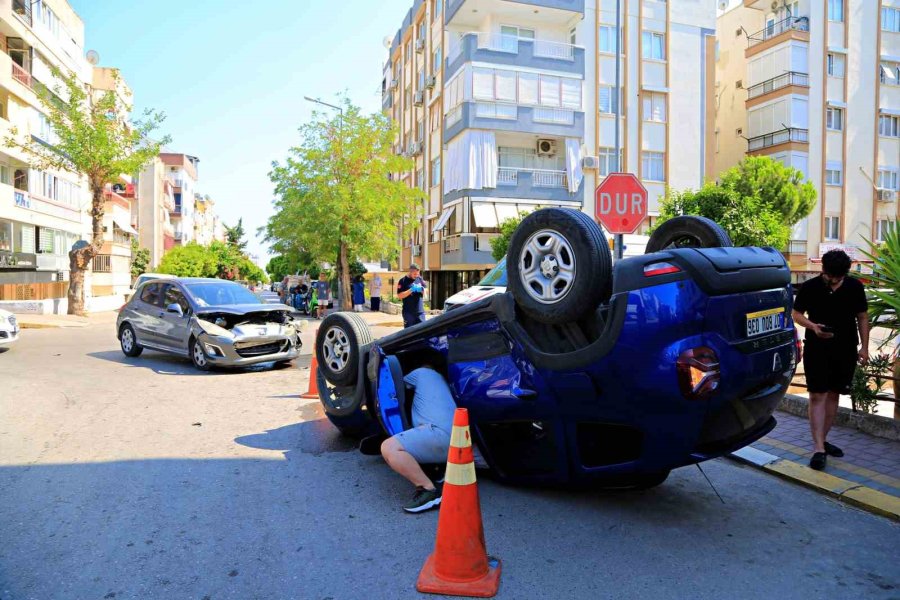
620	203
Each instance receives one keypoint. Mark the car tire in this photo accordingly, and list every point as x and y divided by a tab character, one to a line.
554	241
338	345
688	232
355	421
128	341
198	356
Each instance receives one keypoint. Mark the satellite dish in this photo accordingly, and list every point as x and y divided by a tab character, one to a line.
93	57
387	41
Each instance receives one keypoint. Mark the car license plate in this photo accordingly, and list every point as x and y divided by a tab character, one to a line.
764	321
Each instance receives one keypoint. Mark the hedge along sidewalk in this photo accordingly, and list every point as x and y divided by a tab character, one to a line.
868	476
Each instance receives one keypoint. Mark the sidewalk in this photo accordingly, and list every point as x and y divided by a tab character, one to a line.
867	476
27	321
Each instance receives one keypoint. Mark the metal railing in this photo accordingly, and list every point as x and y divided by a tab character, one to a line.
775	29
21	75
22	9
791	134
496	110
452	244
483	241
778	82
560	116
499	42
102	263
797	247
539	177
453	116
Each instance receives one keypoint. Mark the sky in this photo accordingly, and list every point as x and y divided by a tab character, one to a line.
231	76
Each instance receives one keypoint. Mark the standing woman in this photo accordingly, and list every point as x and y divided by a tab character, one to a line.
359	294
375	292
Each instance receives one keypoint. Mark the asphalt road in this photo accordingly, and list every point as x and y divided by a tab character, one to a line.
142	478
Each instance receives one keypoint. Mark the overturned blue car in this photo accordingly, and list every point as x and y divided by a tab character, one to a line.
582	372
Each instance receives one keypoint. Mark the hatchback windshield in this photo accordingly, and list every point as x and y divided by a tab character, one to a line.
496	276
221	293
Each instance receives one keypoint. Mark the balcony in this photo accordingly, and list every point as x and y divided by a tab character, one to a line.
791	24
791	78
102	263
175	211
540	178
467	251
494	48
549	186
555	10
504	116
21	75
22	9
776	138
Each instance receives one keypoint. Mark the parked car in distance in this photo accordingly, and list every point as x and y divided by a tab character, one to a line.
145	277
9	328
211	321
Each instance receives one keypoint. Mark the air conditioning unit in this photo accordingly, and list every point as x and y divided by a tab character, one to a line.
415	148
590	162
546	147
887	195
430	81
395	83
419	98
420	44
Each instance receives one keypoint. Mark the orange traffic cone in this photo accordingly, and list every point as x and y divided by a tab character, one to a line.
459	565
313	391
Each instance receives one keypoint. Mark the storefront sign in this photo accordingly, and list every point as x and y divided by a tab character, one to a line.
17	260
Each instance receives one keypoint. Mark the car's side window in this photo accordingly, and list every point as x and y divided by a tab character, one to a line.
150	293
174	296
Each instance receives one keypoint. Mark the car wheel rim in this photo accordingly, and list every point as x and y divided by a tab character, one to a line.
336	349
547	266
199	357
127	340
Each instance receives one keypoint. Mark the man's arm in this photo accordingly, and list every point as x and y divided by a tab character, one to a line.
405	294
800	319
862	323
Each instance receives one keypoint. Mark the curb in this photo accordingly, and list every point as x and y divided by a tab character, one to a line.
878	425
849	492
27	325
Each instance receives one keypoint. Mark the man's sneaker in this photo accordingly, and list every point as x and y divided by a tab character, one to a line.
817	461
832	450
424	500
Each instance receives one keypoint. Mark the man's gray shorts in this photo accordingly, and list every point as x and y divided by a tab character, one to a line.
427	444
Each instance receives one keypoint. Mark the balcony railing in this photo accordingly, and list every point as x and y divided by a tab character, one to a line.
483	241
775	29
453	116
778	82
102	263
539	177
791	134
797	247
499	42
559	116
22	9
452	244
21	75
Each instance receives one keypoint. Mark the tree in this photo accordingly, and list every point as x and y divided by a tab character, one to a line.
334	196
234	236
140	258
748	221
92	138
777	186
500	244
190	260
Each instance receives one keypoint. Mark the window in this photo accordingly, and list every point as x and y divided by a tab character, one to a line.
836	10
889	126
512	157
436	58
5	175
420	179
436	9
889	73
174	296
653	45
520	88
834	119
836	65
890	19
653	167
420	79
23	238
434	116
832	228
510	36
654	107
436	172
607	100
572	36
887	179
882	227
150	293
46	240
608	163
607	40
833	173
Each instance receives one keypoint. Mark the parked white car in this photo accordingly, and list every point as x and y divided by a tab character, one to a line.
9	328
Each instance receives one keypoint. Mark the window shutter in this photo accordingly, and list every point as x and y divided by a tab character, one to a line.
483	84
528	88
571	93
549	90
506	85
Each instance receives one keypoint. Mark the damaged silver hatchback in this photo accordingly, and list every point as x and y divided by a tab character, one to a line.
211	321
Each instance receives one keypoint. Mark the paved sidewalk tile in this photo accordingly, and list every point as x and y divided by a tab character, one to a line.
868	460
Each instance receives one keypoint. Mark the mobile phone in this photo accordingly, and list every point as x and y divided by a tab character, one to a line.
827	328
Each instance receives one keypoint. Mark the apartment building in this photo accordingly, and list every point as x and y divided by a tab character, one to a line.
155	204
207	225
181	170
816	85
507	106
41	212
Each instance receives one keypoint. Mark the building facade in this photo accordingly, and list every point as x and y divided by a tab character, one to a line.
41	212
815	84
207	226
508	106
181	169
155	204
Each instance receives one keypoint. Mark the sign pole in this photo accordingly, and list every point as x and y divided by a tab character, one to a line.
618	239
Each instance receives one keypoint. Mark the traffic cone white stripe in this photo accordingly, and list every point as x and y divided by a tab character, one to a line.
460	474
459	437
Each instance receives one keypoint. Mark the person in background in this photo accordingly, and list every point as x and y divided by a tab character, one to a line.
834	310
323	294
359	294
411	290
375	292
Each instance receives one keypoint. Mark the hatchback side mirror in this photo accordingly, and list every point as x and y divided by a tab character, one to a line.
175	308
